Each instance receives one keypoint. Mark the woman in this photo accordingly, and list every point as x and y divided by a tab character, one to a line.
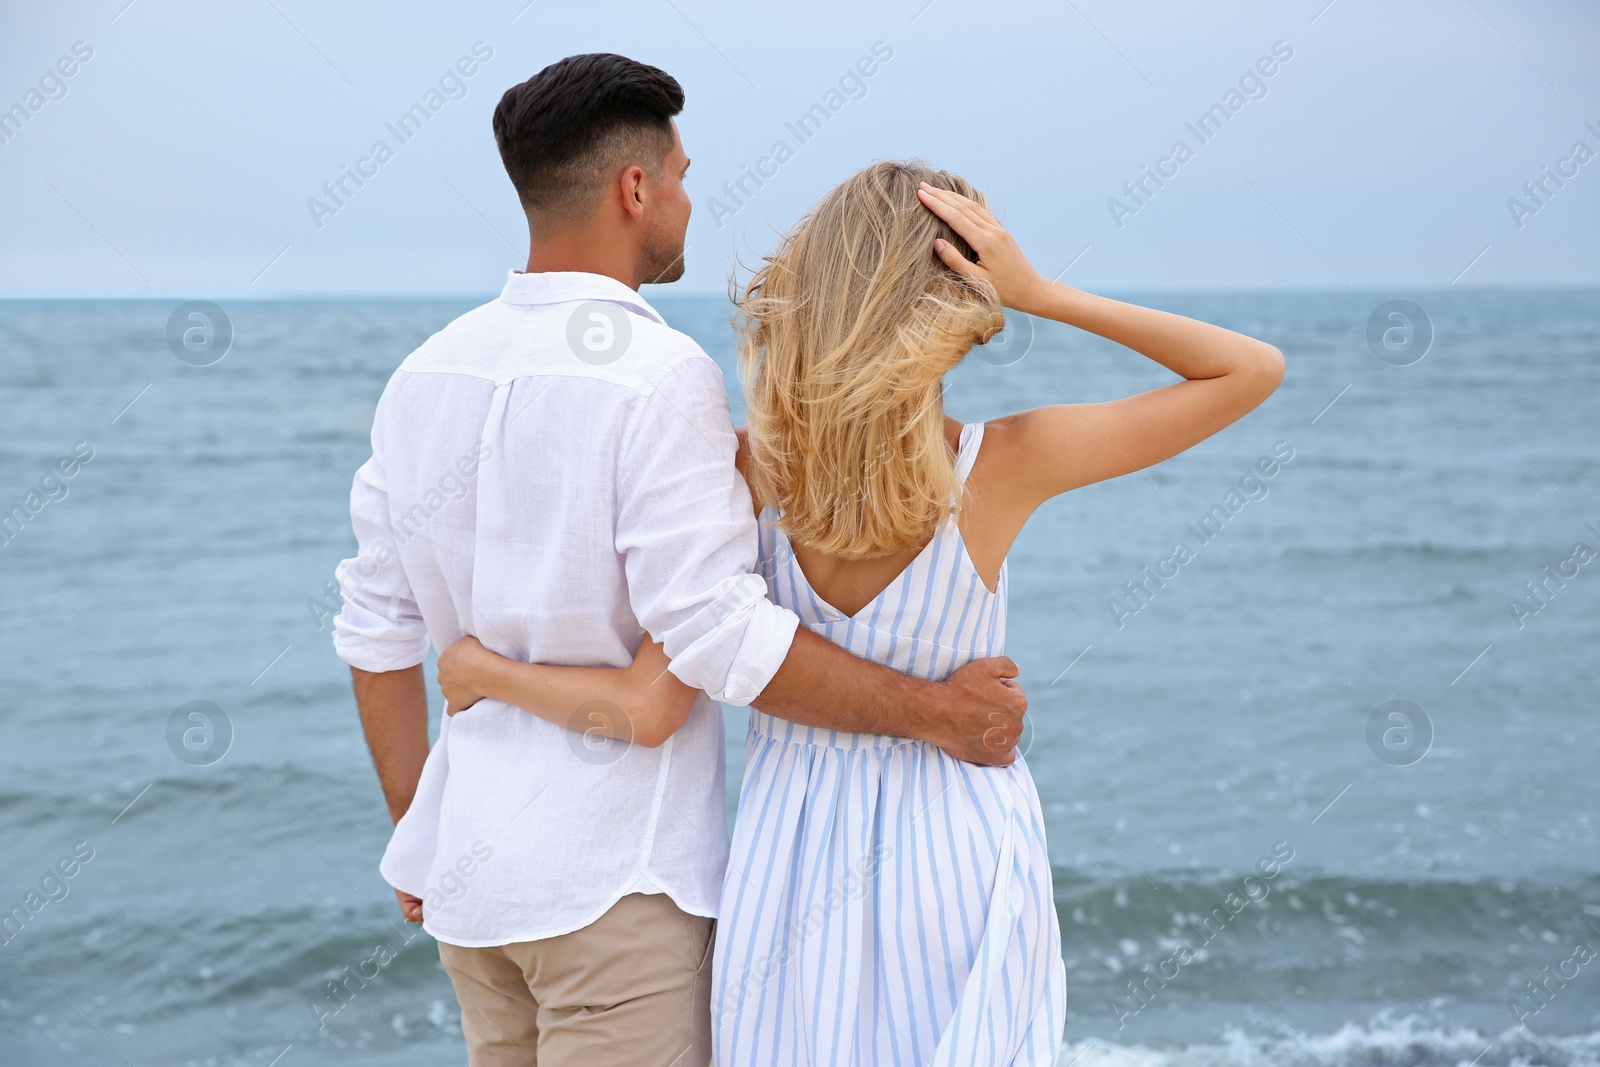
886	903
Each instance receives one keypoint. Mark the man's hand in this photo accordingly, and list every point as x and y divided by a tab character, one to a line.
974	715
410	906
982	719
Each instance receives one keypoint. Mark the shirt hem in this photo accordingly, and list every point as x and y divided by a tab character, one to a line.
495	942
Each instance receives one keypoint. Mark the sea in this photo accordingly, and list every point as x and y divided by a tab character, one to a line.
1321	786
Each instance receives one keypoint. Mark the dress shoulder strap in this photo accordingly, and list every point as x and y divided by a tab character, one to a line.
967	449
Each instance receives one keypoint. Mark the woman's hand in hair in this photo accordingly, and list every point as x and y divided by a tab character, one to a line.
1000	261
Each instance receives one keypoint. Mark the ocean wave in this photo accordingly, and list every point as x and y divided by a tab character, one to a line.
1329	938
1383	1042
1442	899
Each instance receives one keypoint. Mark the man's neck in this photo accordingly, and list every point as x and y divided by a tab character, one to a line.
591	253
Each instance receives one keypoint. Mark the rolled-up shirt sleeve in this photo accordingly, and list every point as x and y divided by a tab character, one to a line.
687	533
380	627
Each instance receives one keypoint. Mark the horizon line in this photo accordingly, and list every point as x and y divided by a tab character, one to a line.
484	295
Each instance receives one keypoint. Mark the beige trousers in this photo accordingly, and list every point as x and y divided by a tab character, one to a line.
631	988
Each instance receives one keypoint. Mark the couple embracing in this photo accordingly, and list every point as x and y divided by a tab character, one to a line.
617	557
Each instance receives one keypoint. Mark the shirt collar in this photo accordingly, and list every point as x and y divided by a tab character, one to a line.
560	286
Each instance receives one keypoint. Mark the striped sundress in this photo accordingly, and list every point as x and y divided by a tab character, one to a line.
886	905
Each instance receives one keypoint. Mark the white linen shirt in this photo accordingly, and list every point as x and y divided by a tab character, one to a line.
553	473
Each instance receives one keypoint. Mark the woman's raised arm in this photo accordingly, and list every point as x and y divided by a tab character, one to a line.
1063	446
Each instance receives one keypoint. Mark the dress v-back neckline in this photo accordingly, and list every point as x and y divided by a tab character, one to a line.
899	577
970	440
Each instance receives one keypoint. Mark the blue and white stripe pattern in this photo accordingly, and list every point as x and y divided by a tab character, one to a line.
887	905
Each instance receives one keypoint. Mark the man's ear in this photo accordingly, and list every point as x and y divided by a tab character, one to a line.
630	187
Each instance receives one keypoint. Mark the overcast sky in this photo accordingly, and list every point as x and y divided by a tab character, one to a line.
184	151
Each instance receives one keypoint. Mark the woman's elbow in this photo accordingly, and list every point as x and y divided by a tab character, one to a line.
1266	368
651	735
652	728
654	736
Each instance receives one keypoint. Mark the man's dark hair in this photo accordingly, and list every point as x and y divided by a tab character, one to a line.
570	128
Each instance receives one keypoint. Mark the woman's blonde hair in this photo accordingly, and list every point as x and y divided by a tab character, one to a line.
845	335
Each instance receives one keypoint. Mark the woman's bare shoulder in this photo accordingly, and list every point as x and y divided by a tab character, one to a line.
741	458
741	461
1003	472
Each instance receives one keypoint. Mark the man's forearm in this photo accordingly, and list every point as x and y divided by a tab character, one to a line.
822	685
394	716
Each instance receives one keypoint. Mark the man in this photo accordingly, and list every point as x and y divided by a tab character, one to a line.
553	473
